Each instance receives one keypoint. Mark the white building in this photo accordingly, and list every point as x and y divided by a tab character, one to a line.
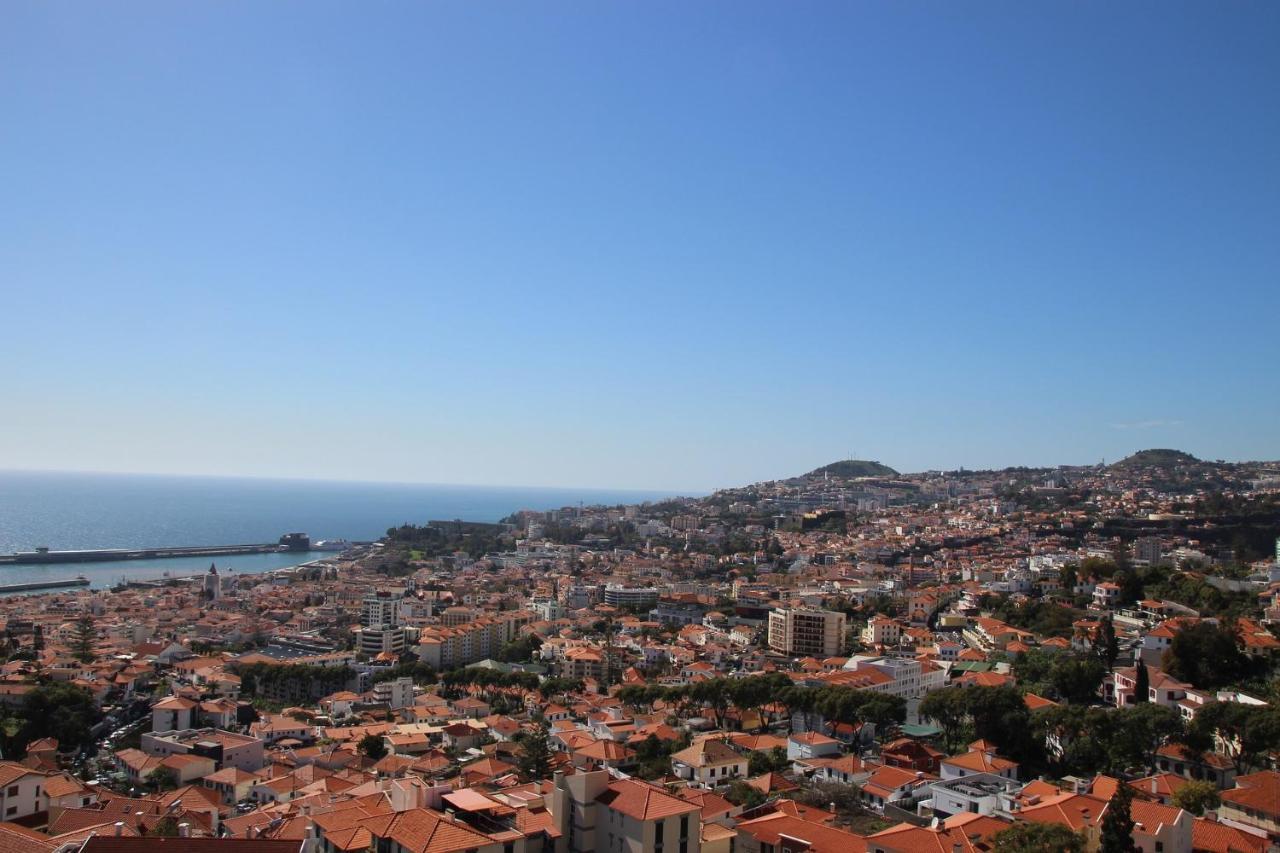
397	693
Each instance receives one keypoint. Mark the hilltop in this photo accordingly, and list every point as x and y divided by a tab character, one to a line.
1157	458
854	468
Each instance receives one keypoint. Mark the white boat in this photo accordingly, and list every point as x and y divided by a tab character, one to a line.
331	545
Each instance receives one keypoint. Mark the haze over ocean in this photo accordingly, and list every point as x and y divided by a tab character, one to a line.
67	511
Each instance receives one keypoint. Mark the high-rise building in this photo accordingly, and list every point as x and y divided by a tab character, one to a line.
381	609
1146	549
380	629
801	631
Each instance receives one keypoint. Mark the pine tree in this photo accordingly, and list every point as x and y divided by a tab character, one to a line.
1117	823
535	754
1107	647
1142	682
85	638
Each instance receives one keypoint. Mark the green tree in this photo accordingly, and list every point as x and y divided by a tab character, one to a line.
1029	837
1107	646
1117	823
372	747
1197	797
1141	682
535	754
949	709
1067	578
1206	655
742	794
86	636
773	761
1247	732
1136	732
522	649
162	779
1076	680
1131	587
61	711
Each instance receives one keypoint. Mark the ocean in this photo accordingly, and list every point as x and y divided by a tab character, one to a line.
68	511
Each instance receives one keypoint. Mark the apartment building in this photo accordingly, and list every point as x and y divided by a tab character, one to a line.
882	631
630	597
381	609
380	630
459	645
595	812
397	693
801	631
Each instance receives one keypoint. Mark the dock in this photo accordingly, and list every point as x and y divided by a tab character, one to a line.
290	542
54	584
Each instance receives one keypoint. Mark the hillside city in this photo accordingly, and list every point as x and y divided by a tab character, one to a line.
854	660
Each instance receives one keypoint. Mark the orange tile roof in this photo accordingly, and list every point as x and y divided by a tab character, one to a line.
1257	791
643	801
821	838
964	832
1209	836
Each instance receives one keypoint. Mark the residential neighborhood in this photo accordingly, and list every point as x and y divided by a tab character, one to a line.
851	660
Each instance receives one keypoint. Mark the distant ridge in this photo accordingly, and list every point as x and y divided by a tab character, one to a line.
854	468
1159	457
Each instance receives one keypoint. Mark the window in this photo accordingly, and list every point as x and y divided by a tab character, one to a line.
684	833
12	792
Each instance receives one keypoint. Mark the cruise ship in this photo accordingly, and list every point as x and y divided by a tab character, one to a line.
331	545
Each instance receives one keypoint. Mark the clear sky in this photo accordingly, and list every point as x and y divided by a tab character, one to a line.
670	245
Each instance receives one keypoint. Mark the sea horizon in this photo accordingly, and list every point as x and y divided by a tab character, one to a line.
340	481
71	510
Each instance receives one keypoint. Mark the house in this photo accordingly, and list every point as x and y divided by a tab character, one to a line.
845	770
708	762
977	793
1157	828
1105	595
812	745
1163	689
963	833
780	832
911	754
1253	803
981	758
21	791
893	786
231	784
605	753
469	706
64	791
274	728
1209	766
461	736
173	713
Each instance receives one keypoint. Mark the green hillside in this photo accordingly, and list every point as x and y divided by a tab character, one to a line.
1157	458
854	468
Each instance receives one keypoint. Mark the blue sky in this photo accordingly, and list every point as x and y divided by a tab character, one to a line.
651	245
